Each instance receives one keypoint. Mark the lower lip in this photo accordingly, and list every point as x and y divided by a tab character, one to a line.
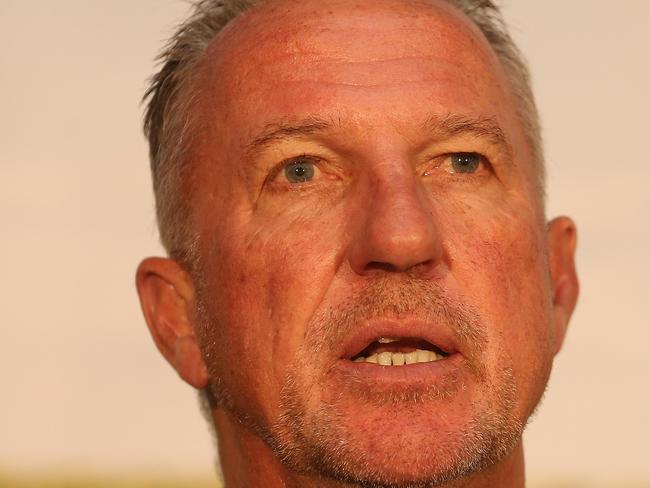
407	374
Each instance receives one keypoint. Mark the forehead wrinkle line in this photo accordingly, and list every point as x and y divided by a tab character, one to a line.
336	59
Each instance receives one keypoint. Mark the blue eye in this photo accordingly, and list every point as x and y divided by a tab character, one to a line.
465	162
300	170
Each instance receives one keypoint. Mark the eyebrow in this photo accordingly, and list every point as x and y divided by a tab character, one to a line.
481	127
441	127
279	131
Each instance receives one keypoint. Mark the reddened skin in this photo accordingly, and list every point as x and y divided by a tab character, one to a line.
167	300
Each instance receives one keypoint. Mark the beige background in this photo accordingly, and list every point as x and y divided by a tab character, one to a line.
81	384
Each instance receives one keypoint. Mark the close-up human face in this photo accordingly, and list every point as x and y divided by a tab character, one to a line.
374	287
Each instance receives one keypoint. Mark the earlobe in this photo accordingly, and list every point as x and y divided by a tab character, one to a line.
167	301
562	244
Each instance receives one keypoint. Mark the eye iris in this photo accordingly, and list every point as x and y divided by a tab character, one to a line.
299	171
465	162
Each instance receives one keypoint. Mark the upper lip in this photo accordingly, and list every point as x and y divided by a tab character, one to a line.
369	331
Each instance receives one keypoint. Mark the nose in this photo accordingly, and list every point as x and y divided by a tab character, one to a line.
396	229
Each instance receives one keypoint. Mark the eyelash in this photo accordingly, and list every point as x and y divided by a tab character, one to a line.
483	162
282	166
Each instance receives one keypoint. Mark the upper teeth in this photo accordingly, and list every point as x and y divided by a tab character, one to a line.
388	358
386	340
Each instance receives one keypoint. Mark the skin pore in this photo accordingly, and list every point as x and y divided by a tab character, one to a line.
360	172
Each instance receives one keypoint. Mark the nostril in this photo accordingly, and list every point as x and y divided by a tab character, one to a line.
378	265
396	268
424	265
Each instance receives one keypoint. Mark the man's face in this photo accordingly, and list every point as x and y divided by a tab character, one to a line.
364	193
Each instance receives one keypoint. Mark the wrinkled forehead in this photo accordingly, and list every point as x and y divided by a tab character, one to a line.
289	39
391	63
337	28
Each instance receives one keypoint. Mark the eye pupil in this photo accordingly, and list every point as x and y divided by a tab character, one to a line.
465	162
299	171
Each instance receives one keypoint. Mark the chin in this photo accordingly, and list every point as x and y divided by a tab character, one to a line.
399	438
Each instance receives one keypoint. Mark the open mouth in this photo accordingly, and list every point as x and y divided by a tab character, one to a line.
389	351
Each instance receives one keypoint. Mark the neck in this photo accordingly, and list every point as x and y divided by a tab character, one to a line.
246	460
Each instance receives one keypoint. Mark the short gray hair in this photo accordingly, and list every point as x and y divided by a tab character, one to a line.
171	96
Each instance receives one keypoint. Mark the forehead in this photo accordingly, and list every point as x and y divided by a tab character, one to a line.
380	59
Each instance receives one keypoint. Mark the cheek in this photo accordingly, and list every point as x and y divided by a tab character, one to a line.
268	281
503	270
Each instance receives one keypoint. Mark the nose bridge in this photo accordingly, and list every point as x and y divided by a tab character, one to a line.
398	200
398	229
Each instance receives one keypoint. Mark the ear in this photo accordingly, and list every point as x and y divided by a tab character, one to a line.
167	300
562	245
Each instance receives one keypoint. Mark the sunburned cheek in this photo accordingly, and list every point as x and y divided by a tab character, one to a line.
503	267
493	239
501	272
279	276
518	297
512	259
